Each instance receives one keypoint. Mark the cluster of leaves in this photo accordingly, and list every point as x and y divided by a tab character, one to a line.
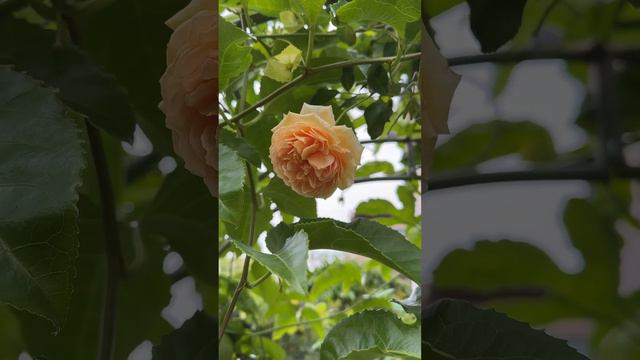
515	277
361	58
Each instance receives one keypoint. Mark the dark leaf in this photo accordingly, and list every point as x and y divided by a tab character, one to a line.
457	330
195	340
494	22
378	79
323	96
377	115
39	176
185	215
84	86
348	78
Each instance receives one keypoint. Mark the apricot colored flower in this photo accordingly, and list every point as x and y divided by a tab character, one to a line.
312	154
190	89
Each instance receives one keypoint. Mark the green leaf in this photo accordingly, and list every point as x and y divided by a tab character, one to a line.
370	334
396	13
494	22
235	211
348	78
83	86
258	134
281	66
482	142
323	96
225	351
362	237
184	214
40	175
457	330
143	43
289	262
231	171
377	115
192	341
235	56
434	8
290	21
484	268
145	283
346	274
495	269
269	7
289	201
375	167
312	9
11	344
240	146
347	35
378	79
593	233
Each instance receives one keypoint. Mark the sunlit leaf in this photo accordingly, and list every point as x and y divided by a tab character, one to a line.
370	334
289	262
281	66
362	237
396	13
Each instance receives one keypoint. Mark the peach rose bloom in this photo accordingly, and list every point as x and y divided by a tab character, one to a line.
190	89
312	155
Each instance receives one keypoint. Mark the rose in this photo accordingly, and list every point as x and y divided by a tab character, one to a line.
311	154
190	89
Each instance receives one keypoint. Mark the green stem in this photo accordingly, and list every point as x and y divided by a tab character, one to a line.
293	35
245	268
311	38
259	281
112	244
544	17
312	71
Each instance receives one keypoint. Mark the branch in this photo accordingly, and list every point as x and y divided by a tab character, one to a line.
589	54
588	174
314	70
387	178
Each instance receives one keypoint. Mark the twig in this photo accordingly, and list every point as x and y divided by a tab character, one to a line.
545	16
259	281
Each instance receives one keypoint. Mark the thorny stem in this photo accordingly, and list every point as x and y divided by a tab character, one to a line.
314	70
